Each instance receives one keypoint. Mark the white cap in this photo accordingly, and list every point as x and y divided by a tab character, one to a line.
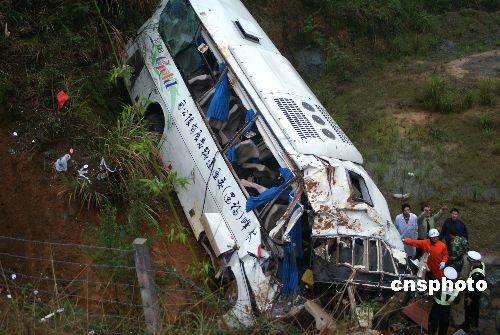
433	233
473	256
450	273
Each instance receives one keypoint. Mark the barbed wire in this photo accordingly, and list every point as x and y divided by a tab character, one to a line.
64	244
46	278
67	262
66	295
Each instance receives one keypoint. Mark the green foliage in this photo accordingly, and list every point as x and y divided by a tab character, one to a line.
79	188
486	122
201	270
485	92
340	63
310	34
109	233
439	97
124	71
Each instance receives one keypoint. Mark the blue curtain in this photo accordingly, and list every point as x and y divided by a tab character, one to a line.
270	193
231	154
292	251
248	116
219	105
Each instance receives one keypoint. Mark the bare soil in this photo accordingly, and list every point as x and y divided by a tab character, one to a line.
483	64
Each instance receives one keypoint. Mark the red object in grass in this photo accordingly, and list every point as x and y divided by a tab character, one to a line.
61	97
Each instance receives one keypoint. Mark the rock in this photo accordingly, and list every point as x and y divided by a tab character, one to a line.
310	61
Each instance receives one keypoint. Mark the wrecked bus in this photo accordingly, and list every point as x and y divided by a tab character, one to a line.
275	186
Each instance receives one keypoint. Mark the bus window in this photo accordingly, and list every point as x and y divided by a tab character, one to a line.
178	25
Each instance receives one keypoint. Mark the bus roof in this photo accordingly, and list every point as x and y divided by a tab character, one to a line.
301	117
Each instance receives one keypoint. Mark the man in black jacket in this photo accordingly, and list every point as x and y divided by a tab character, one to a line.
453	221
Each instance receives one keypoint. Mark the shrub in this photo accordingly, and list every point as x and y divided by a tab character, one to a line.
485	92
439	97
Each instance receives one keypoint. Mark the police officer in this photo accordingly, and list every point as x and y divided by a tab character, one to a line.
439	317
471	303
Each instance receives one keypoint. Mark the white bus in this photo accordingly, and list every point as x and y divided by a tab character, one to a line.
275	186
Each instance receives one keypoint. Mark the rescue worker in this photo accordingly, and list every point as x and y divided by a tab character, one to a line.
439	317
438	254
471	302
458	248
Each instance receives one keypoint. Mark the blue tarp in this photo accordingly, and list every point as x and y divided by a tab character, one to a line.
270	193
219	105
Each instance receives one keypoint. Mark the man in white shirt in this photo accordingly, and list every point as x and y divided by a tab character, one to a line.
406	224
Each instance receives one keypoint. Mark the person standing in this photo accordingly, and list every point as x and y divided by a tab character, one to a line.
458	248
406	224
426	222
438	254
472	298
453	221
439	316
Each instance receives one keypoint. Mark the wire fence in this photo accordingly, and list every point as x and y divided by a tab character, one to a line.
63	285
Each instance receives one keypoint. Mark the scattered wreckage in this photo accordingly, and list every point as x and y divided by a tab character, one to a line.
275	186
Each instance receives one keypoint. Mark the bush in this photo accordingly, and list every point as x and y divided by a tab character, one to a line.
340	63
485	92
439	97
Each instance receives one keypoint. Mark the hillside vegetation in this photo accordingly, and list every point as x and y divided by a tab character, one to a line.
384	71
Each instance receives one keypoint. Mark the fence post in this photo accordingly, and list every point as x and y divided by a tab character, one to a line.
147	286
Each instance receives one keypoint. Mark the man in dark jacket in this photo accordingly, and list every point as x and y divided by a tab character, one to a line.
453	221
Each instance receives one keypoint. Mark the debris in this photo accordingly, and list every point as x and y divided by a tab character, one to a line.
9	296
104	169
6	31
401	196
417	314
411	174
71	150
35	292
48	316
62	98
14	134
308	277
365	316
61	163
32	141
13	276
83	173
324	321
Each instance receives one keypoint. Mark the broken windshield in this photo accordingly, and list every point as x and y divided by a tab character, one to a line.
359	190
178	25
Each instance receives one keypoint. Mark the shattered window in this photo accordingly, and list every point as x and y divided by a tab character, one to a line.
387	261
345	250
373	256
359	250
178	25
359	190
